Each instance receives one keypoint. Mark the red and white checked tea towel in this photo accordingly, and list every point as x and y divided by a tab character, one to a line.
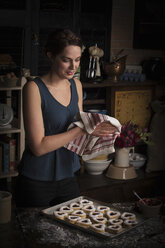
89	146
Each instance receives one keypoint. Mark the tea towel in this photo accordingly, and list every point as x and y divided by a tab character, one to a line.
89	146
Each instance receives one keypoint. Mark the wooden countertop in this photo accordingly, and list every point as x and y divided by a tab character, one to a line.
31	229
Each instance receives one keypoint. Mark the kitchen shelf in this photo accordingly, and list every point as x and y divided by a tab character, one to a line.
10	130
96	95
10	88
8	174
17	128
96	101
95	85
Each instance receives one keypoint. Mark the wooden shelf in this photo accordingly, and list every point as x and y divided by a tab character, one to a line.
17	128
95	85
8	174
10	130
96	101
10	88
110	83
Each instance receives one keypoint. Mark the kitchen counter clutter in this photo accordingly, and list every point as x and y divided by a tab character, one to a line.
30	228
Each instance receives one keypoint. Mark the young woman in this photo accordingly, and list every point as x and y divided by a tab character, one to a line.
46	172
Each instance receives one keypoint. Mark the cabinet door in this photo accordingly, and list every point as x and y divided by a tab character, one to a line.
132	104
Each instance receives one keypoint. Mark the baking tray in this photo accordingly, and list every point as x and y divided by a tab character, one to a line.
49	213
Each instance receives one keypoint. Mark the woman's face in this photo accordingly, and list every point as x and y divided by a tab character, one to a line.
66	63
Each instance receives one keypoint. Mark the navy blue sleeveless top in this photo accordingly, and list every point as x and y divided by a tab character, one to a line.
61	163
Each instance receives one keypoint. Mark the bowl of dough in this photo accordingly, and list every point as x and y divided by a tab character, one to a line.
137	160
97	166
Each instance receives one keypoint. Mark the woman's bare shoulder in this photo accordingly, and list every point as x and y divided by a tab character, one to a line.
30	85
31	90
78	83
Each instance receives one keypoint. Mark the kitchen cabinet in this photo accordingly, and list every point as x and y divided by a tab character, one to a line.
132	102
12	96
94	96
124	100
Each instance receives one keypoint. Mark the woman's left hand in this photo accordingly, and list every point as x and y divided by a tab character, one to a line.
105	129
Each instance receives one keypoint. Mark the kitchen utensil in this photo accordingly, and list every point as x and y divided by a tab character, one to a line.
116	68
139	197
93	70
117	55
89	68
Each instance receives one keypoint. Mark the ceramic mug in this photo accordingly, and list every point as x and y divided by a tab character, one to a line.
5	206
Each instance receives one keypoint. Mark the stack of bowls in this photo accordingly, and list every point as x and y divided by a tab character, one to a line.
137	160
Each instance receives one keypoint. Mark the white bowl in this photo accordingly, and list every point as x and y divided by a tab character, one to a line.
137	160
94	110
96	167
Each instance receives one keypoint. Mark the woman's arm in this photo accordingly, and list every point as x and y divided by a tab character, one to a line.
34	127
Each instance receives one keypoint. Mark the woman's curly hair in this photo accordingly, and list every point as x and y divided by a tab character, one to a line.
61	38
